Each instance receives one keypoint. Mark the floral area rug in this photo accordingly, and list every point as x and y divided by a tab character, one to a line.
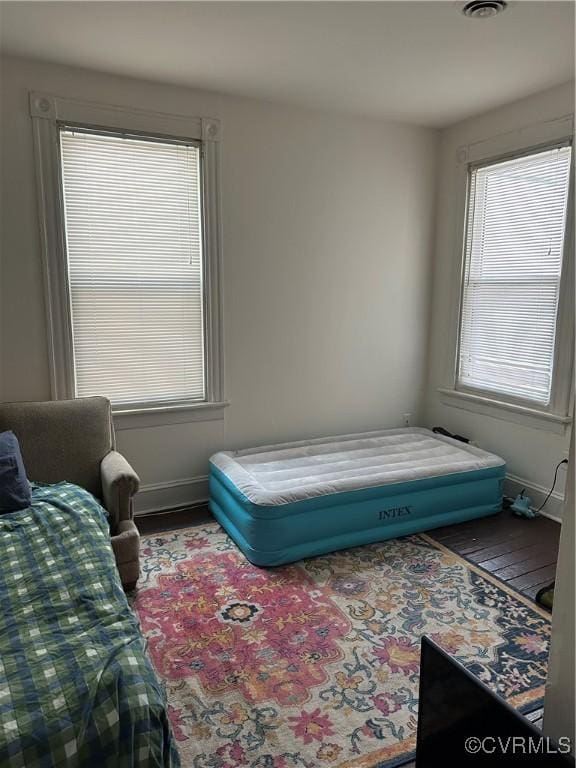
315	664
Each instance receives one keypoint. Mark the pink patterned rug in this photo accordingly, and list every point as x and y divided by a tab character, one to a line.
316	664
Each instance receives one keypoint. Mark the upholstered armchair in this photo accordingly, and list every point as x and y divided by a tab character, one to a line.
74	440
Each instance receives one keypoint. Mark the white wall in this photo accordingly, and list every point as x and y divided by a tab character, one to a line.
559	702
531	453
328	224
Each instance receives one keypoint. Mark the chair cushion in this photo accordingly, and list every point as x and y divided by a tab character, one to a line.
14	487
62	439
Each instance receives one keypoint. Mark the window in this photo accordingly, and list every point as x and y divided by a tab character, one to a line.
130	222
134	247
514	248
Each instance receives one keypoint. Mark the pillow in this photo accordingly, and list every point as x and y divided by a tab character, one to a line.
14	487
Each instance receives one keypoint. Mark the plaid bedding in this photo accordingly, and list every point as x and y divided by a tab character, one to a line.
76	687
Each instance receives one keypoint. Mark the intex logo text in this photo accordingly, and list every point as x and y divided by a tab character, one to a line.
388	514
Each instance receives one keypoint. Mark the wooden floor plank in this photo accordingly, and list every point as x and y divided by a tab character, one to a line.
172	520
478	543
535	563
527	580
520	535
530	552
534	588
469	528
495	550
486	536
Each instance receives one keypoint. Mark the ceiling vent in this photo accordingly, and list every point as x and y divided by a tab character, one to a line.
484	9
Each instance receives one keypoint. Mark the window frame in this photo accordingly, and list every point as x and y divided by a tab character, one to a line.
557	414
50	113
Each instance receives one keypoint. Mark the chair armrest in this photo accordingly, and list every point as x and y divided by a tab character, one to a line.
119	484
126	542
126	547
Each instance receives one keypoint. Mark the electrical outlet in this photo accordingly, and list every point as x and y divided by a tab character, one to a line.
564	465
406	419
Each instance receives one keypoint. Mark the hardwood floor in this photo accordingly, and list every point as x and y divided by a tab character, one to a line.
521	552
169	521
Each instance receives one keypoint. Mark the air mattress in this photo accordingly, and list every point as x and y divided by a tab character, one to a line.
281	503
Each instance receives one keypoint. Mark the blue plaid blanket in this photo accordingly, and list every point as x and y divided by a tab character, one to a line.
76	686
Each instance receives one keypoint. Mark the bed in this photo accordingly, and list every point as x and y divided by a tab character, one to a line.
281	503
76	686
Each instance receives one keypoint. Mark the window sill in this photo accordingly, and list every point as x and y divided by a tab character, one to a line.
497	409
163	415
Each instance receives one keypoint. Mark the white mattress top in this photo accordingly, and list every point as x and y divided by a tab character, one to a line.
282	474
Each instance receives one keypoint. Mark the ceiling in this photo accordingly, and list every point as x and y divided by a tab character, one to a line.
418	62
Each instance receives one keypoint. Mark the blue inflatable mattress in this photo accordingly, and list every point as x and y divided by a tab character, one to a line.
281	503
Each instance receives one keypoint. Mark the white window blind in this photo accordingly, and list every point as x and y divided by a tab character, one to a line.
134	248
513	263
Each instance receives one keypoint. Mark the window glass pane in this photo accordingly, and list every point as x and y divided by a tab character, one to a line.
513	263
134	246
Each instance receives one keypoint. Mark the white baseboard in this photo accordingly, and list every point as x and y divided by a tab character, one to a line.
159	497
513	485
